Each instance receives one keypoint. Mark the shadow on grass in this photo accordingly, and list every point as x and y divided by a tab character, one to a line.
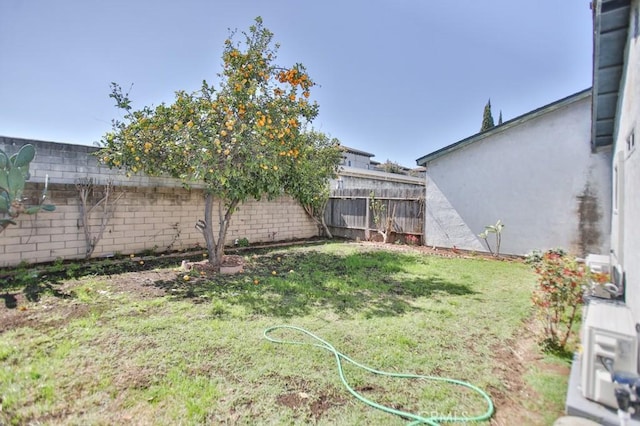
45	278
294	284
553	347
32	291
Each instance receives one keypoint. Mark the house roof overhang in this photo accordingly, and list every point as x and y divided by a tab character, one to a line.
610	28
356	151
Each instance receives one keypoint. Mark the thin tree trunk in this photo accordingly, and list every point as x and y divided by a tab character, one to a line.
488	246
85	188
326	228
215	248
367	218
571	319
225	220
321	221
207	231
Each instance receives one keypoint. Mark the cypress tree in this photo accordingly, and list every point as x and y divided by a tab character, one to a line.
500	118
487	118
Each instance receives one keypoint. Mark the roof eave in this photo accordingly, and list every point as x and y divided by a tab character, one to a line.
610	31
422	161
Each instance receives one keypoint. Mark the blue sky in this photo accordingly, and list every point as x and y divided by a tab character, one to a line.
398	78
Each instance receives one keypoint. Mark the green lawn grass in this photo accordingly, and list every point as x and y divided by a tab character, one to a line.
197	355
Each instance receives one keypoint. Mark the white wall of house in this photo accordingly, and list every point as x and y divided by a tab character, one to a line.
536	173
360	161
625	230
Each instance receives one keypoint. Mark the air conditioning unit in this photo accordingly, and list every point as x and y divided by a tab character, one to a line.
611	290
609	343
598	263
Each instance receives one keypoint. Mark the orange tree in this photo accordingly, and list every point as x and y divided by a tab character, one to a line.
242	139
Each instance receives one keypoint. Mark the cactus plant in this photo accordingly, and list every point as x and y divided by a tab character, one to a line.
14	172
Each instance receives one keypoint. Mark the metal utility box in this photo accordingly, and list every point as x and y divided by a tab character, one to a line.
608	333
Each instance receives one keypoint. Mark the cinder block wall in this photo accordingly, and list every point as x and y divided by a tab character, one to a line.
151	214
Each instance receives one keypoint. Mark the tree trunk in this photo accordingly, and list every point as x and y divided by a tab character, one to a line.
326	228
215	249
207	231
321	221
367	218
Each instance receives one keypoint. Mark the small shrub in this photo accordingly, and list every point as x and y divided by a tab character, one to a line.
242	242
562	281
412	240
497	231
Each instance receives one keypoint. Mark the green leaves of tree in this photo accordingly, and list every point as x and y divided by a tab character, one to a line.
243	138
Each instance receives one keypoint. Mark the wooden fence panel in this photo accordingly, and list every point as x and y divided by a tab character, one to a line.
346	213
347	209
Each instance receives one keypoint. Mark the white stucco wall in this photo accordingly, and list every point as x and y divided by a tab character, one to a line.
356	160
625	230
537	174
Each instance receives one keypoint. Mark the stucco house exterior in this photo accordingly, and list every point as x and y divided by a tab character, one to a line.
536	173
616	124
610	329
355	158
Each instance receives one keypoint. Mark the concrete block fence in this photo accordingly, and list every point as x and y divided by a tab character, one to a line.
151	214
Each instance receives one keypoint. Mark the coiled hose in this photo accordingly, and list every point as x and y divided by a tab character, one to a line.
416	419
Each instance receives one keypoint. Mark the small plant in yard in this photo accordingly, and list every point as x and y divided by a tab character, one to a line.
383	217
561	284
412	240
14	173
493	229
241	242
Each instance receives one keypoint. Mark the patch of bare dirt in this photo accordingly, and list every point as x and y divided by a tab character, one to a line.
314	405
48	311
231	264
141	284
438	251
515	358
20	312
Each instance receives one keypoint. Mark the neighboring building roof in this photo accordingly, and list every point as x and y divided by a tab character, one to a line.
378	175
422	161
357	151
610	27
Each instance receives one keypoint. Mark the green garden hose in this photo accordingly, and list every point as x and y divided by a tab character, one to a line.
416	419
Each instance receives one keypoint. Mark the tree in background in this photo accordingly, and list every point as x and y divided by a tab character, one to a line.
487	117
391	167
308	179
244	139
500	118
